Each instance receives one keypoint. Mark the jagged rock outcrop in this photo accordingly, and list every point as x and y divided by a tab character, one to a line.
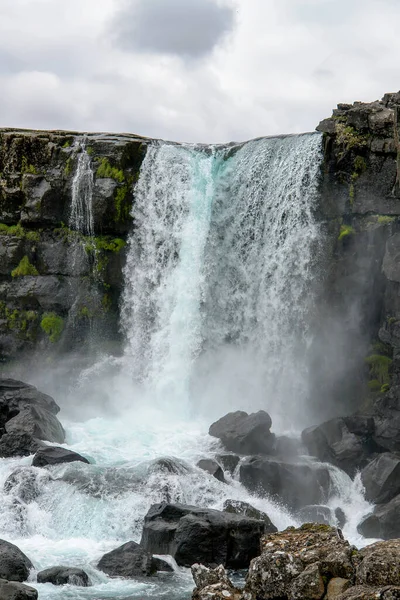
57	283
27	416
244	433
192	534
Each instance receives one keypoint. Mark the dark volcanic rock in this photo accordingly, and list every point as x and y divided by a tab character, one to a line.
381	478
384	522
26	416
63	576
192	534
14	565
245	434
16	591
237	507
131	560
296	483
229	462
52	455
212	467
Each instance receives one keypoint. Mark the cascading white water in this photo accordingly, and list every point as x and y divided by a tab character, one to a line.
81	214
219	289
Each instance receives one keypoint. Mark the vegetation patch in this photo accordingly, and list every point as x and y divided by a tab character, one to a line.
53	326
106	170
24	268
345	231
19	231
385	220
349	138
379	366
22	322
27	167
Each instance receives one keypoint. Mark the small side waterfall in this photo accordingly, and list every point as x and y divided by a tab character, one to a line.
81	215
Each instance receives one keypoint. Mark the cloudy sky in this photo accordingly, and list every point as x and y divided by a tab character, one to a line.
192	70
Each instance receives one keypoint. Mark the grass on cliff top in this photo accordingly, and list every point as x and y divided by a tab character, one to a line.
24	268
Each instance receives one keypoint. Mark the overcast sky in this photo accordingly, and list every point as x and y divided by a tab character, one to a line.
193	70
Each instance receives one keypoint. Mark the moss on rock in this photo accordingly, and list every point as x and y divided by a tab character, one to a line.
24	268
53	326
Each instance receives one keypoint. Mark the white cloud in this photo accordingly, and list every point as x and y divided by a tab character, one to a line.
278	66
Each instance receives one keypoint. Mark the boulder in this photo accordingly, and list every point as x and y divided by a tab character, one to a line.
381	478
387	420
23	483
364	592
213	583
337	586
345	442
295	563
245	434
192	534
212	467
229	462
237	507
168	465
340	517
26	417
296	483
286	447
131	560
384	522
380	564
53	455
316	513
16	591
63	576
14	565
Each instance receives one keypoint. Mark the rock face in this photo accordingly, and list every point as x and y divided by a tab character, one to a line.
381	478
26	417
384	522
380	564
130	561
14	565
16	591
208	536
296	483
213	583
212	467
54	456
245	434
237	507
37	170
63	576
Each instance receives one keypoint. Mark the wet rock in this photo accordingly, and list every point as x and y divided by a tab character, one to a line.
169	465
346	443
64	576
18	444
229	462
52	455
295	482
213	584
213	468
14	564
131	560
99	481
16	591
295	563
244	433
237	507
192	534
380	564
286	447
381	478
37	422
387	420
363	592
337	586
23	483
384	522
316	513
340	517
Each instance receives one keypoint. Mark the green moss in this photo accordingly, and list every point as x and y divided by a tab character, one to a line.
352	193
345	230
16	230
374	385
379	367
359	165
24	268
121	205
27	167
90	150
106	303
385	220
385	388
21	322
104	242
392	320
106	170
53	326
85	312
68	167
66	144
349	138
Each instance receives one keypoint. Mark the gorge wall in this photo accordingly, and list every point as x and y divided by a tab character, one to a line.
60	288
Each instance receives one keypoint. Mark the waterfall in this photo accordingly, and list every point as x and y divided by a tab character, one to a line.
81	215
220	273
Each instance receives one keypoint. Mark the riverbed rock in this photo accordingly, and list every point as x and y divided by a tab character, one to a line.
53	455
203	535
24	483
244	433
213	584
229	462
63	576
296	563
212	467
295	482
14	564
316	513
381	478
10	590
131	560
380	564
26	417
237	507
383	522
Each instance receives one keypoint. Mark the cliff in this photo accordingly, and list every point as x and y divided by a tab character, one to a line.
56	284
